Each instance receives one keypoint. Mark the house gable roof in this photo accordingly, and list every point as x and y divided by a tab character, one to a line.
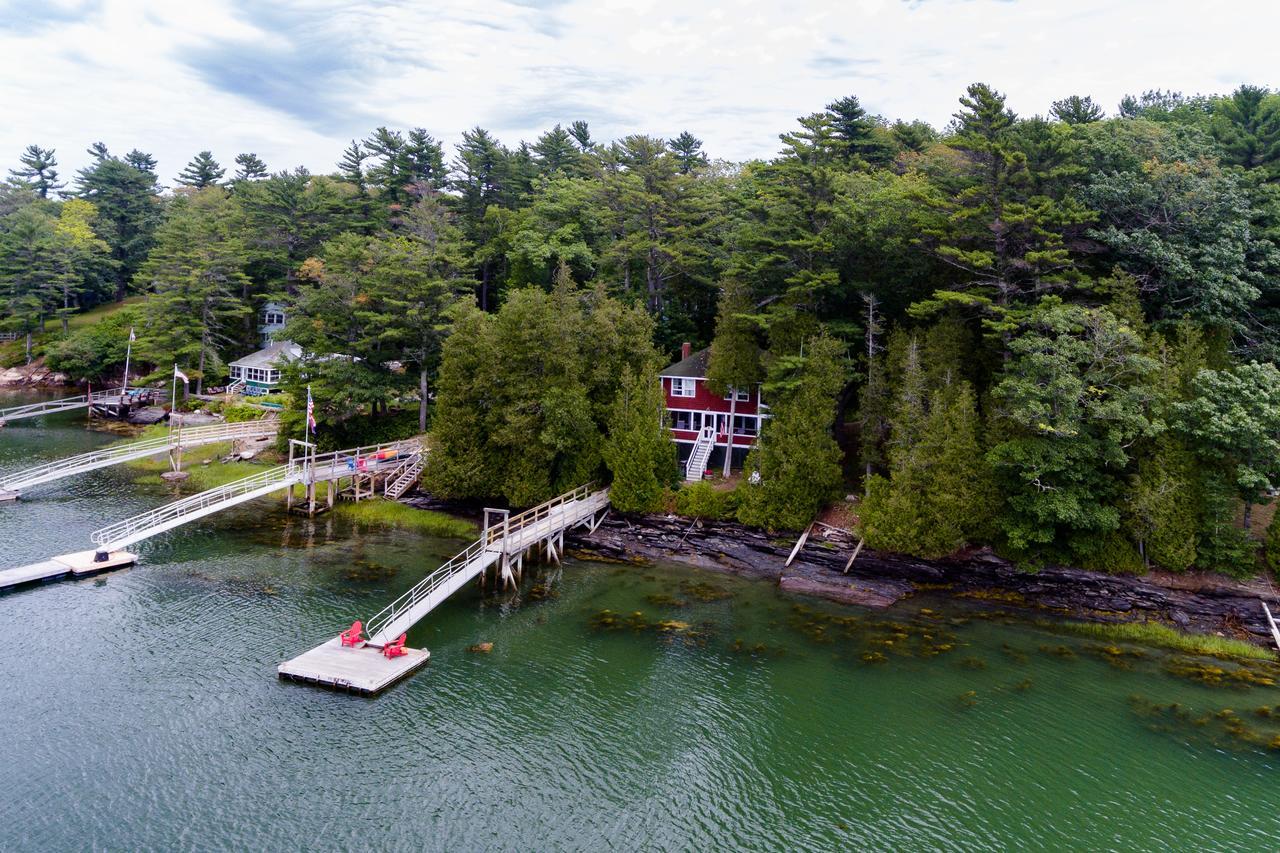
693	367
272	356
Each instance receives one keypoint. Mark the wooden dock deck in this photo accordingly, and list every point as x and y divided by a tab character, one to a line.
361	670
79	564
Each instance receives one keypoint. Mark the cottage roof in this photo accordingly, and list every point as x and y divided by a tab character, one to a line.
693	367
272	356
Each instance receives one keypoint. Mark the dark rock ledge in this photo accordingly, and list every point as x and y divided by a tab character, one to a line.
1193	602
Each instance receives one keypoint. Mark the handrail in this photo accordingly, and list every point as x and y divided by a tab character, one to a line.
279	475
59	405
188	437
498	533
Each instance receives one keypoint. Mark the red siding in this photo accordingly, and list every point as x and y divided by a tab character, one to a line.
704	401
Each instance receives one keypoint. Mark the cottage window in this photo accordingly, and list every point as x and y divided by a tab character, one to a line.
235	371
744	425
682	387
273	318
743	396
685	421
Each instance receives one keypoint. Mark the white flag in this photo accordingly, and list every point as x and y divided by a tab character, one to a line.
132	336
178	374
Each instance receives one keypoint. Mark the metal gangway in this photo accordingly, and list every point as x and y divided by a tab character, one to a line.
65	404
175	440
358	462
504	544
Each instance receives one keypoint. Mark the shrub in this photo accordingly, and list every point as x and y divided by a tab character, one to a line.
702	500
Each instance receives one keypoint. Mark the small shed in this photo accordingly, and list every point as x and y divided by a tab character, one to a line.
260	370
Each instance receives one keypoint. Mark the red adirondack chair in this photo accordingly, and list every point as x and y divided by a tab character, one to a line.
395	648
351	636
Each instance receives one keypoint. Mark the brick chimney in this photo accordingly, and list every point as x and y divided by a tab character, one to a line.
686	349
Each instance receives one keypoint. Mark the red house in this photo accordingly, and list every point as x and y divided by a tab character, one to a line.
700	420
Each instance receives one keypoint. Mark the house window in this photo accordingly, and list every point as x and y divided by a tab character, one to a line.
743	396
745	425
682	387
690	421
235	371
273	318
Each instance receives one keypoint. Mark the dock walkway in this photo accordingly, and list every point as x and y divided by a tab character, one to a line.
103	401
12	485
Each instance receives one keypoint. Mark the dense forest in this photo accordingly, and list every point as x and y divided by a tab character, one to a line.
1055	334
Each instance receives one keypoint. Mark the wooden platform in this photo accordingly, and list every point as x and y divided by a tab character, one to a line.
79	564
361	670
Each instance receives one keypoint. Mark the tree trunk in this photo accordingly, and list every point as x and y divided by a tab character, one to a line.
733	410
200	377
1248	516
422	405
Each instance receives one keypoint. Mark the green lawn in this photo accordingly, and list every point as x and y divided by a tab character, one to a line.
93	315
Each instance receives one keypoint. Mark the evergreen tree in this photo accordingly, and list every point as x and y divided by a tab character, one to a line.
582	135
39	168
1163	509
141	160
203	171
858	136
735	354
1247	128
638	449
128	210
797	460
351	166
251	167
1075	110
556	152
687	149
194	276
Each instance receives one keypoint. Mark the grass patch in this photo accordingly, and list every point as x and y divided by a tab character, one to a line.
384	513
202	476
88	318
1155	634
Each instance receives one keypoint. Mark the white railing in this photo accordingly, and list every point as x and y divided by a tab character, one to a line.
187	437
400	479
279	476
493	539
696	464
64	404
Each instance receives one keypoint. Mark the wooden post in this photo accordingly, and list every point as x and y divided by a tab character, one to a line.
799	544
856	551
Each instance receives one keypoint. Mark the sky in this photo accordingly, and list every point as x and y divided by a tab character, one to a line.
295	81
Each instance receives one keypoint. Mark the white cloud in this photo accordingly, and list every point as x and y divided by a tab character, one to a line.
295	81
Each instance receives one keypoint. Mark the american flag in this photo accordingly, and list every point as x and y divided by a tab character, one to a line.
311	412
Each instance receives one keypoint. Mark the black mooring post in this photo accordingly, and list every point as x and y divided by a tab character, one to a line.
101	557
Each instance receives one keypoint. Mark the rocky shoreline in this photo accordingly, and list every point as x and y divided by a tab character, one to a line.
1192	602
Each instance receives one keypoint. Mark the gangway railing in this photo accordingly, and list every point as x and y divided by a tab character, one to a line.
514	534
371	459
120	453
47	407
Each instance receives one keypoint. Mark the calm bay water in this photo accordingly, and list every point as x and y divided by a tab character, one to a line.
141	709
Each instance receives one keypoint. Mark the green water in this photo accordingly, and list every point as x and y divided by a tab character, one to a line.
141	709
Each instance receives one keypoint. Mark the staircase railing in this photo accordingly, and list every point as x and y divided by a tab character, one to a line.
697	461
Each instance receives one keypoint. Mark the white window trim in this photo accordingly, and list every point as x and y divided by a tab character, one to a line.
743	396
688	387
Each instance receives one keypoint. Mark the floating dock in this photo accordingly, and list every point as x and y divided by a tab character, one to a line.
362	670
80	564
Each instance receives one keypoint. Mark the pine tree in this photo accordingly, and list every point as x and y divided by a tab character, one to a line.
797	459
141	160
1162	510
128	210
1247	128
195	276
687	149
251	167
860	139
638	449
581	134
735	354
39	168
556	152
203	171
1075	110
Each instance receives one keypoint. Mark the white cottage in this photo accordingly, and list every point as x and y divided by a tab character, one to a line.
260	370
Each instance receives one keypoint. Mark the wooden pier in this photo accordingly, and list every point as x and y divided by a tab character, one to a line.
502	546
